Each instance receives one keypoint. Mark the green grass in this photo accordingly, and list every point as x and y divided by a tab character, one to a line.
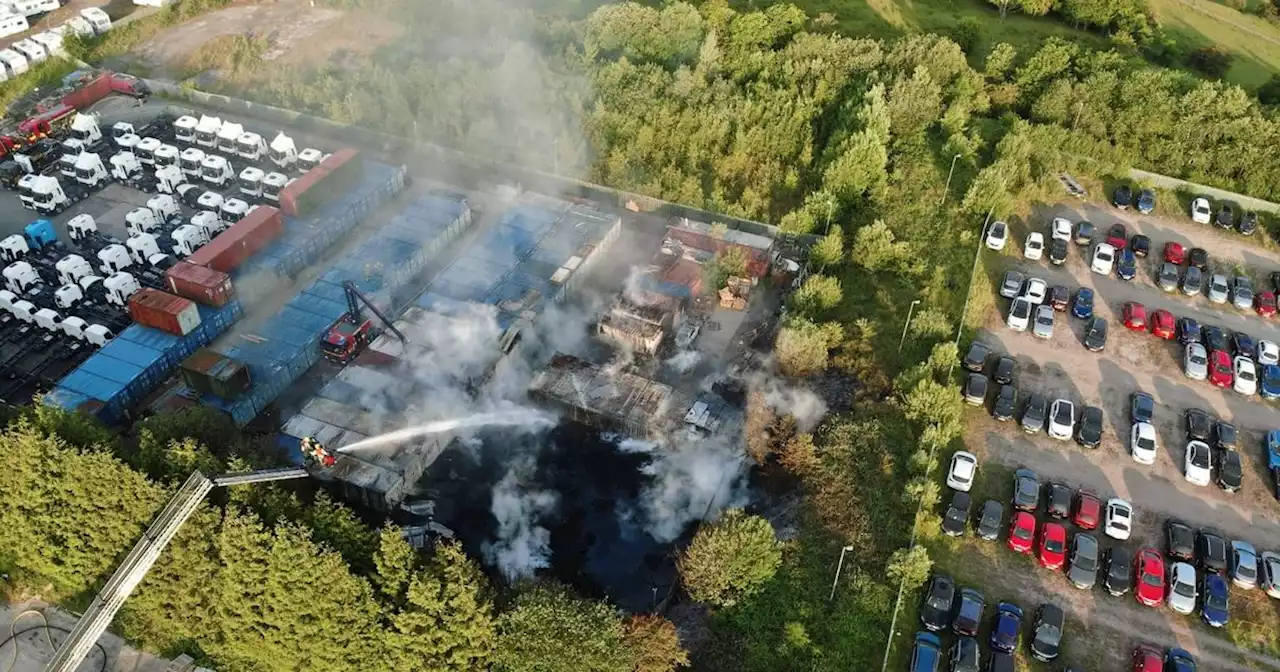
1254	42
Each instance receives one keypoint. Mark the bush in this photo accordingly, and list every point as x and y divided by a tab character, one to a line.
802	346
730	559
967	33
1269	93
1213	61
911	566
819	294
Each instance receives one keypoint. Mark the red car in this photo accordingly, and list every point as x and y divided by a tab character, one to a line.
1087	511
1053	545
1148	577
1117	237
1175	253
1022	531
1220	371
1147	658
1162	324
1265	304
1135	316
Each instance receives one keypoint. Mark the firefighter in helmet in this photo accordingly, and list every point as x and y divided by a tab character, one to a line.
316	454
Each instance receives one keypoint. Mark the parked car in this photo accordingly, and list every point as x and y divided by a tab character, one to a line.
1269	382
1095	334
1188	330
1088	510
1135	316
1141	245
1148	580
1058	251
1249	223
1195	362
1211	552
975	389
990	521
1198	424
1244	564
1180	540
1267	352
1142	407
1011	286
1005	369
1264	303
1200	212
935	611
1179	660
1214	609
1062	419
998	235
1117	236
1196	464
1119	520
956	518
1122	197
1175	253
1142	443
1084	233
1035	290
1026	490
1057	500
976	359
1181	594
1126	265
1214	338
1006	627
1005	403
1246	375
1083	570
1148	658
1060	229
1033	414
1044	322
1053	545
926	653
968	614
1218	290
1116	571
1242	292
1162	324
1089	430
1082	307
1046	634
1033	246
1229	470
1020	314
1226	218
1059	297
1022	531
1147	201
1225	436
1221	372
1243	344
965	655
1198	257
1275	281
1192	281
964	466
1269	562
1103	259
1167	277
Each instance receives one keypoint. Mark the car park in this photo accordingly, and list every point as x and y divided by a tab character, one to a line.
956	518
1087	511
1264	303
998	236
1116	570
1196	465
1103	259
1011	285
1046	633
1022	532
968	614
1249	223
1242	344
975	389
1195	362
1004	370
1192	281
1082	307
1181	593
990	520
1089	429
1214	338
1020	314
1180	540
1082	571
1058	251
1179	660
1134	316
1060	229
1026	490
1053	543
1269	382
1175	253
935	611
1242	292
1141	245
1122	197
1225	435
1117	236
1059	297
1095	335
1147	202
1226	218
1062	419
1162	324
1244	564
1043	323
1221	373
1246	375
1167	277
1119	519
1269	564
1143	443
1148	580
1211	551
1200	212
1126	264
1229	472
1197	424
965	655
1188	330
1217	291
1084	233
926	653
1005	403
1214	600
964	466
1033	414
1006	627
1033	246
976	359
1057	500
1267	352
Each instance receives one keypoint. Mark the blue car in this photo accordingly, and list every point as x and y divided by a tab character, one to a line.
1188	330
1146	201
1270	387
1127	265
926	654
1179	660
1214	607
1004	632
1082	307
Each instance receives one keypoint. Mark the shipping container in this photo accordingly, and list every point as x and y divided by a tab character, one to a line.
334	175
757	258
200	284
65	399
210	372
231	247
164	311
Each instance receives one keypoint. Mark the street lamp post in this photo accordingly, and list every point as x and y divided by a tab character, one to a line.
969	290
1079	109
947	189
839	565
908	324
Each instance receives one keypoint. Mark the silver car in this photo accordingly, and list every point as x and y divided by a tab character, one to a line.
1244	564
1012	284
1242	292
1195	362
1217	291
1192	281
1083	570
1182	588
1168	276
1044	322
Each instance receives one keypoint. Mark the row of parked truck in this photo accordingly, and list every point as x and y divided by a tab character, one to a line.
24	53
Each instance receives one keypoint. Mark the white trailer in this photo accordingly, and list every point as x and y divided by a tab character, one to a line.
12	24
78	26
51	41
32	7
14	63
32	50
97	18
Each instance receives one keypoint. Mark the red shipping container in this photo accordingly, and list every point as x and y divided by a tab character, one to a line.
166	312
239	242
687	273
757	259
200	284
291	192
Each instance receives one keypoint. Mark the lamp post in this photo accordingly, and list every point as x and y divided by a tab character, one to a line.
1079	109
969	290
839	566
908	324
947	189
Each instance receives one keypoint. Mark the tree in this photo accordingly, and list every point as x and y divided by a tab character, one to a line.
334	524
730	559
395	563
802	346
858	168
1213	61
551	630
937	408
930	323
875	248
654	644
447	621
967	32
829	250
1000	62
1269	93
818	294
915	103
910	566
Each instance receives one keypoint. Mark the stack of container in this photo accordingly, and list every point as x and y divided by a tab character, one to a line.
334	174
240	241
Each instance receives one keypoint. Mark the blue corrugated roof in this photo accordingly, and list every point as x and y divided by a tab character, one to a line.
92	386
134	353
65	398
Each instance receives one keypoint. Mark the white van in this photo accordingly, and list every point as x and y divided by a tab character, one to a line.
12	24
97	18
32	50
14	63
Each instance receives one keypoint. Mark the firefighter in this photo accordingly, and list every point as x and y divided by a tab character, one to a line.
316	453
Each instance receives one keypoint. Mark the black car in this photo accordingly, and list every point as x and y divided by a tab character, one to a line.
1242	344
1123	197
1180	540
935	612
1095	334
1141	407
1141	245
1046	634
965	655
1198	424
1026	490
968	614
1226	218
1059	297
1034	413
1126	265
1118	571
1211	552
976	359
1006	401
1188	330
1002	662
1249	223
1214	338
1004	370
975	389
991	520
1058	251
1275	281
1084	233
1058	500
1229	470
1198	257
1224	435
1089	429
956	518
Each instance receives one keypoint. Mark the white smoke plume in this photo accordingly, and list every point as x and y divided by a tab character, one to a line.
522	545
799	402
684	361
694	480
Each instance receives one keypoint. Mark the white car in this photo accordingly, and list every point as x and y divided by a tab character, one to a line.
1020	314
1104	258
1268	352
1036	290
1246	375
1196	466
998	235
1195	363
1200	211
964	466
1119	520
1061	229
1033	248
1044	322
1062	419
1269	569
1182	588
1142	443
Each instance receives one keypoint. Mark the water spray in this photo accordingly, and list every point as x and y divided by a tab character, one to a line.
530	419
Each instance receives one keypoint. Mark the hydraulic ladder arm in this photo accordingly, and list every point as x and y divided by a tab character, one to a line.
355	298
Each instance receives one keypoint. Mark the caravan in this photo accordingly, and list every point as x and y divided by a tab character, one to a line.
12	24
51	41
97	18
32	50
14	63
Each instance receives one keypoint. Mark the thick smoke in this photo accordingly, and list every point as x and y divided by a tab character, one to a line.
693	479
522	544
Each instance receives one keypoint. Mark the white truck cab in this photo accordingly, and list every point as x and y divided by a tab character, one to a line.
84	127
166	155
250	182
19	276
184	129
190	161
209	201
283	152
49	320
142	248
272	183
72	268
90	170
113	259
26	189
309	158
164	206
80	226
216	170
47	195
208	222
141	221
187	239
207	131
119	287
169	178
128	142
146	150
13	248
251	146
229	137
234	210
